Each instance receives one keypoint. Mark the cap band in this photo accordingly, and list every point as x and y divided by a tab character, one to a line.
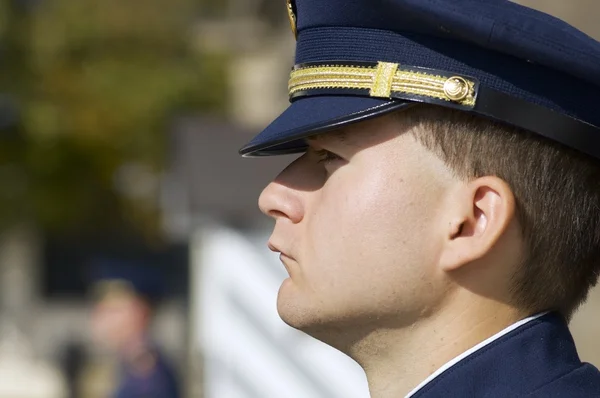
384	80
415	84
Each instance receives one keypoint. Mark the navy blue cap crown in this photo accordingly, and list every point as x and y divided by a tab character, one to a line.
357	59
141	279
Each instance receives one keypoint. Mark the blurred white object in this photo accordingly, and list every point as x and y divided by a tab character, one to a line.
249	352
21	375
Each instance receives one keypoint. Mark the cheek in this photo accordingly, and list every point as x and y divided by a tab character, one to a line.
111	324
368	229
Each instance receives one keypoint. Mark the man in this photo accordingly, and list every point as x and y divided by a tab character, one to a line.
121	319
443	222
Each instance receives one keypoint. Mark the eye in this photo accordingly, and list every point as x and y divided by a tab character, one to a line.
326	156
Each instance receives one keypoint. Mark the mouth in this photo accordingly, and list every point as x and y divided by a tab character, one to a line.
275	248
283	256
285	261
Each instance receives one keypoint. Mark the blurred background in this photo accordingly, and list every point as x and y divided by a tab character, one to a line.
132	252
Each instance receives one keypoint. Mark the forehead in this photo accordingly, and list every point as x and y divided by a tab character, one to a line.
362	134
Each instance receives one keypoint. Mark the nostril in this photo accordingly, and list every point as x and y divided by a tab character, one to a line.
276	214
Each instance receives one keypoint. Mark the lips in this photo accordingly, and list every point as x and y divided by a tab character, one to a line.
283	256
275	248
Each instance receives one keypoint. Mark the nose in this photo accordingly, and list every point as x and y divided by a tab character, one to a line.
284	197
279	201
290	195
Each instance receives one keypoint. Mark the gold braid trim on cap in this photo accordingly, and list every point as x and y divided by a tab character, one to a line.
383	81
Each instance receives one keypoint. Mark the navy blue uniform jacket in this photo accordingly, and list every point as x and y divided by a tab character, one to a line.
159	382
538	360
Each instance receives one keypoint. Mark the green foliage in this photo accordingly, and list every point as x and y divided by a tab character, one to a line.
97	83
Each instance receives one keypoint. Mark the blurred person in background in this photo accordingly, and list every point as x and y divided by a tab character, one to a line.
121	318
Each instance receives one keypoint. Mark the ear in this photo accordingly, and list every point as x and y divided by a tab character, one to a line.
480	213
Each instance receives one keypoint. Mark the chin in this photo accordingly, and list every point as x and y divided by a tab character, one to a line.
307	314
291	307
296	308
327	327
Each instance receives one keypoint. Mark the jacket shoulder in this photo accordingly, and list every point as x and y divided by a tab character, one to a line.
583	382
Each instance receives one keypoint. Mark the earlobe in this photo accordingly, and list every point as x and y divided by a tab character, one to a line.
481	213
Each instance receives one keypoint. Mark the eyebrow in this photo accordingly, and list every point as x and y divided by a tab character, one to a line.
339	135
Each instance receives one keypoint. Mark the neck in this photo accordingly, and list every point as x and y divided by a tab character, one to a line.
396	360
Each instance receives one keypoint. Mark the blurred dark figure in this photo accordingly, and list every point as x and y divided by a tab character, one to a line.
73	360
125	299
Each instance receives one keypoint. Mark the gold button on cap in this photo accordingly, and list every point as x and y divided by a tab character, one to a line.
456	88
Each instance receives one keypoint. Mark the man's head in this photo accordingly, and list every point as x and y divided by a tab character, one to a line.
451	156
120	316
413	208
124	297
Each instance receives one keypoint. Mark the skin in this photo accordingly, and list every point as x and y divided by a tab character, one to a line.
392	259
120	323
